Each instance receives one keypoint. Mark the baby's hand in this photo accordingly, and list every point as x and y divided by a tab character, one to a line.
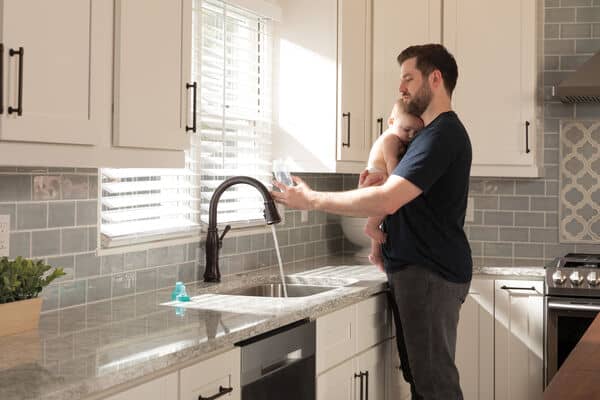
367	179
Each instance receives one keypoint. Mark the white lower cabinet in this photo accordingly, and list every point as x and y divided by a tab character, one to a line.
353	346
207	379
362	377
519	340
475	342
158	389
499	349
337	383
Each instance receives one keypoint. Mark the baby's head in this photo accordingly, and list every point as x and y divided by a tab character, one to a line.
403	124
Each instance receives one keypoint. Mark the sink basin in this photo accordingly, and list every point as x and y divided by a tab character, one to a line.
276	290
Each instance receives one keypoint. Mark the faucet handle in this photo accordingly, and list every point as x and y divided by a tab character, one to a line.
227	229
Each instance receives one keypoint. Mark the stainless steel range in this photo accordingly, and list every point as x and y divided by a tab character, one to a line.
572	302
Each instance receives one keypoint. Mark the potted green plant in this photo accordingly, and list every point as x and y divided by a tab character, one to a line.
21	281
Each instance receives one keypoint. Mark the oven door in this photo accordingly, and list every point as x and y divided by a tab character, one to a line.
567	319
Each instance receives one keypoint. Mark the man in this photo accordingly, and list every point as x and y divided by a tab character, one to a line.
426	254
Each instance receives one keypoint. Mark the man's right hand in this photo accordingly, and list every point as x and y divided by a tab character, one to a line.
366	179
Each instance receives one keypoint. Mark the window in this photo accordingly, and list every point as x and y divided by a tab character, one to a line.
232	62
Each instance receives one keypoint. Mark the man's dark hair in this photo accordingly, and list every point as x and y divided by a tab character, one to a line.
430	57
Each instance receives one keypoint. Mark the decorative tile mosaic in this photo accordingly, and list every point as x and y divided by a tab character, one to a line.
579	186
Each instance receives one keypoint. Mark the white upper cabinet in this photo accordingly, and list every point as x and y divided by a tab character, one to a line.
496	91
321	77
56	71
353	142
152	72
397	24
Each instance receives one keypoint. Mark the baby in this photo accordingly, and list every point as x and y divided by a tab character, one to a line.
383	159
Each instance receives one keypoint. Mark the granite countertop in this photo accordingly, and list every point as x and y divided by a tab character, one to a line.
84	350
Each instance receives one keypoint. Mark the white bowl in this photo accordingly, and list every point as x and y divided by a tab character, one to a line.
353	228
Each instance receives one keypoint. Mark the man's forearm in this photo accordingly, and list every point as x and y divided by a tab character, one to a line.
365	202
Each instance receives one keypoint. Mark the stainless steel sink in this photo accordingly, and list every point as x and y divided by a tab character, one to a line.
276	290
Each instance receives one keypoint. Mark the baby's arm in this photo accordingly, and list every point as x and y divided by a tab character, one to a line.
391	148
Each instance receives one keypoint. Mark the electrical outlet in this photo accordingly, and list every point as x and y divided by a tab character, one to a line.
304	216
4	235
470	213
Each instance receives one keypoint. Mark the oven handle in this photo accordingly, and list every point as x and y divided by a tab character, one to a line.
560	305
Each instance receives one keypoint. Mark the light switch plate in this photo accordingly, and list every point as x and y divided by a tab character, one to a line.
470	213
4	235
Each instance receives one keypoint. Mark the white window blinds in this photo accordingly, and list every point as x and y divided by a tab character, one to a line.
232	62
233	66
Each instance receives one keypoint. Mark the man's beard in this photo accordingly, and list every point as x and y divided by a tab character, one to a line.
420	101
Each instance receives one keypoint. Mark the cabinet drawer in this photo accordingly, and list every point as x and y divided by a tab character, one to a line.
336	338
209	377
373	322
157	389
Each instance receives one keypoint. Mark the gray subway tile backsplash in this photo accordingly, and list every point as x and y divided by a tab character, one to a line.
15	187
45	243
61	214
560	15
32	215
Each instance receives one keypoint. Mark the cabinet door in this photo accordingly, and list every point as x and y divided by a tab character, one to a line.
353	143
211	377
496	90
518	332
372	362
158	389
152	68
373	322
397	387
64	70
336	338
338	383
421	23
475	342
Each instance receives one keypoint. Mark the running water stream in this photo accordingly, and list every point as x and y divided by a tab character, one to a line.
279	260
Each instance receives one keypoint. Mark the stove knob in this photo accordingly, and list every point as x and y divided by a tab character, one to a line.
576	278
592	278
558	277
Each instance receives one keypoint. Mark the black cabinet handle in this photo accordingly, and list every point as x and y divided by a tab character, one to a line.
527	149
367	386
222	392
344	115
194	87
380	124
19	109
518	288
1	78
361	376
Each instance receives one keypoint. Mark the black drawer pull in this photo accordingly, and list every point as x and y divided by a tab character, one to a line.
222	392
361	376
380	125
518	288
367	386
527	149
194	87
19	109
1	78
344	115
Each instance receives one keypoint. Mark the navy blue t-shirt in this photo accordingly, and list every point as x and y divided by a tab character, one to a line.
428	231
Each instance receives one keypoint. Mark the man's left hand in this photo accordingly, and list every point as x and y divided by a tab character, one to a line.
298	197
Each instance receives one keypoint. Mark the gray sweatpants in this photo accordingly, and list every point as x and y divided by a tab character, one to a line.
426	308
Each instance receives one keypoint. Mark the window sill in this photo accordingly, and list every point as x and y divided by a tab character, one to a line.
177	241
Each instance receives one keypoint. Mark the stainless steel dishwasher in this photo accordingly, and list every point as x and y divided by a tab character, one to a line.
280	364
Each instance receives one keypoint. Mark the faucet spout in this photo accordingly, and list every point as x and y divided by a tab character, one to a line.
213	241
